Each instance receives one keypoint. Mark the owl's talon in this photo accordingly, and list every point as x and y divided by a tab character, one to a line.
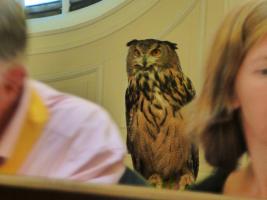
155	180
186	180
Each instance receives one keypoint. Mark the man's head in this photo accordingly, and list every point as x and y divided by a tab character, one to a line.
13	40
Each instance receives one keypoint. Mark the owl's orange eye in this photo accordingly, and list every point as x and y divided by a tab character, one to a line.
136	53
156	52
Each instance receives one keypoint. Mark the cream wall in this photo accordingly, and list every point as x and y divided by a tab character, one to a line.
89	60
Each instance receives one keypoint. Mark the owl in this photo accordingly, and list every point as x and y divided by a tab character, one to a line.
157	90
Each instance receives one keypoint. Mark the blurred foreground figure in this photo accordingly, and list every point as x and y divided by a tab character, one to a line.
232	108
44	132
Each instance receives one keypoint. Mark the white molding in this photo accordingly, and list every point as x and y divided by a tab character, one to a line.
202	35
226	6
62	76
65	6
182	14
100	84
92	30
21	2
68	21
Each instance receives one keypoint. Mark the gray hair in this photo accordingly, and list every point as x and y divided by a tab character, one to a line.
13	30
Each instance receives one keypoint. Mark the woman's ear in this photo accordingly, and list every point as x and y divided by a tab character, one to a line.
235	103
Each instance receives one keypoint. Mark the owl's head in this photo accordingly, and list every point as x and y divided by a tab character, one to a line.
146	55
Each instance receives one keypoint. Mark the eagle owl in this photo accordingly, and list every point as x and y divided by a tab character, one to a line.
157	90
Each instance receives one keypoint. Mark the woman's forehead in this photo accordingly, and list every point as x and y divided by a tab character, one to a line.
258	50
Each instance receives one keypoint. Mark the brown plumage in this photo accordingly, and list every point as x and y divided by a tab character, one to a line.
157	91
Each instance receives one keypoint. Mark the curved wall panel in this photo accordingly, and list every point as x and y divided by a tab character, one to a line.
89	59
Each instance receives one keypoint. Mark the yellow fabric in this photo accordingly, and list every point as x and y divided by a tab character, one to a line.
36	117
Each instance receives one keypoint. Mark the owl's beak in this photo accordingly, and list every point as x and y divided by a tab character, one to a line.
144	61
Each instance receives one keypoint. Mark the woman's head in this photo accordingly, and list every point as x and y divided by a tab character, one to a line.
218	119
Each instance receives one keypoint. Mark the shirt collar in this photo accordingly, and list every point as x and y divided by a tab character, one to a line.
12	131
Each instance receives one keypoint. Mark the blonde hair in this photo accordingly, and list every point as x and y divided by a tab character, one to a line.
216	120
13	30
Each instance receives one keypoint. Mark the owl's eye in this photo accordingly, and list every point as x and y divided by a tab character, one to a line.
136	53
156	52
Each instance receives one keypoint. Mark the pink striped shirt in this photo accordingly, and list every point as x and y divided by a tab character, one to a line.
79	142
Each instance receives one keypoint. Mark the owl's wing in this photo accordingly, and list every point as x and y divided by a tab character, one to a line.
182	89
189	88
130	100
129	115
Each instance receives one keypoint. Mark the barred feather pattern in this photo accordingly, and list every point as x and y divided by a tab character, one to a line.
154	139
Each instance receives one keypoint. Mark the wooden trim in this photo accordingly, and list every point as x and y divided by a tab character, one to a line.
48	188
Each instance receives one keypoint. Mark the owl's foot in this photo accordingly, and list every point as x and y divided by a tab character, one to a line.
155	180
172	185
185	180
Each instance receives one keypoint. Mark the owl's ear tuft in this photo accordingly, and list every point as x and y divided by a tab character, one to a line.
132	42
170	44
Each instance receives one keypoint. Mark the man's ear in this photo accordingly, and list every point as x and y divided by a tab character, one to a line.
15	76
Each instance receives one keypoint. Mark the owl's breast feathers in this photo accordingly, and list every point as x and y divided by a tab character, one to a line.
165	91
171	85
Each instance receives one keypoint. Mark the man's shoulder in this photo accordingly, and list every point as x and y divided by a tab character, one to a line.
70	110
235	182
59	101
